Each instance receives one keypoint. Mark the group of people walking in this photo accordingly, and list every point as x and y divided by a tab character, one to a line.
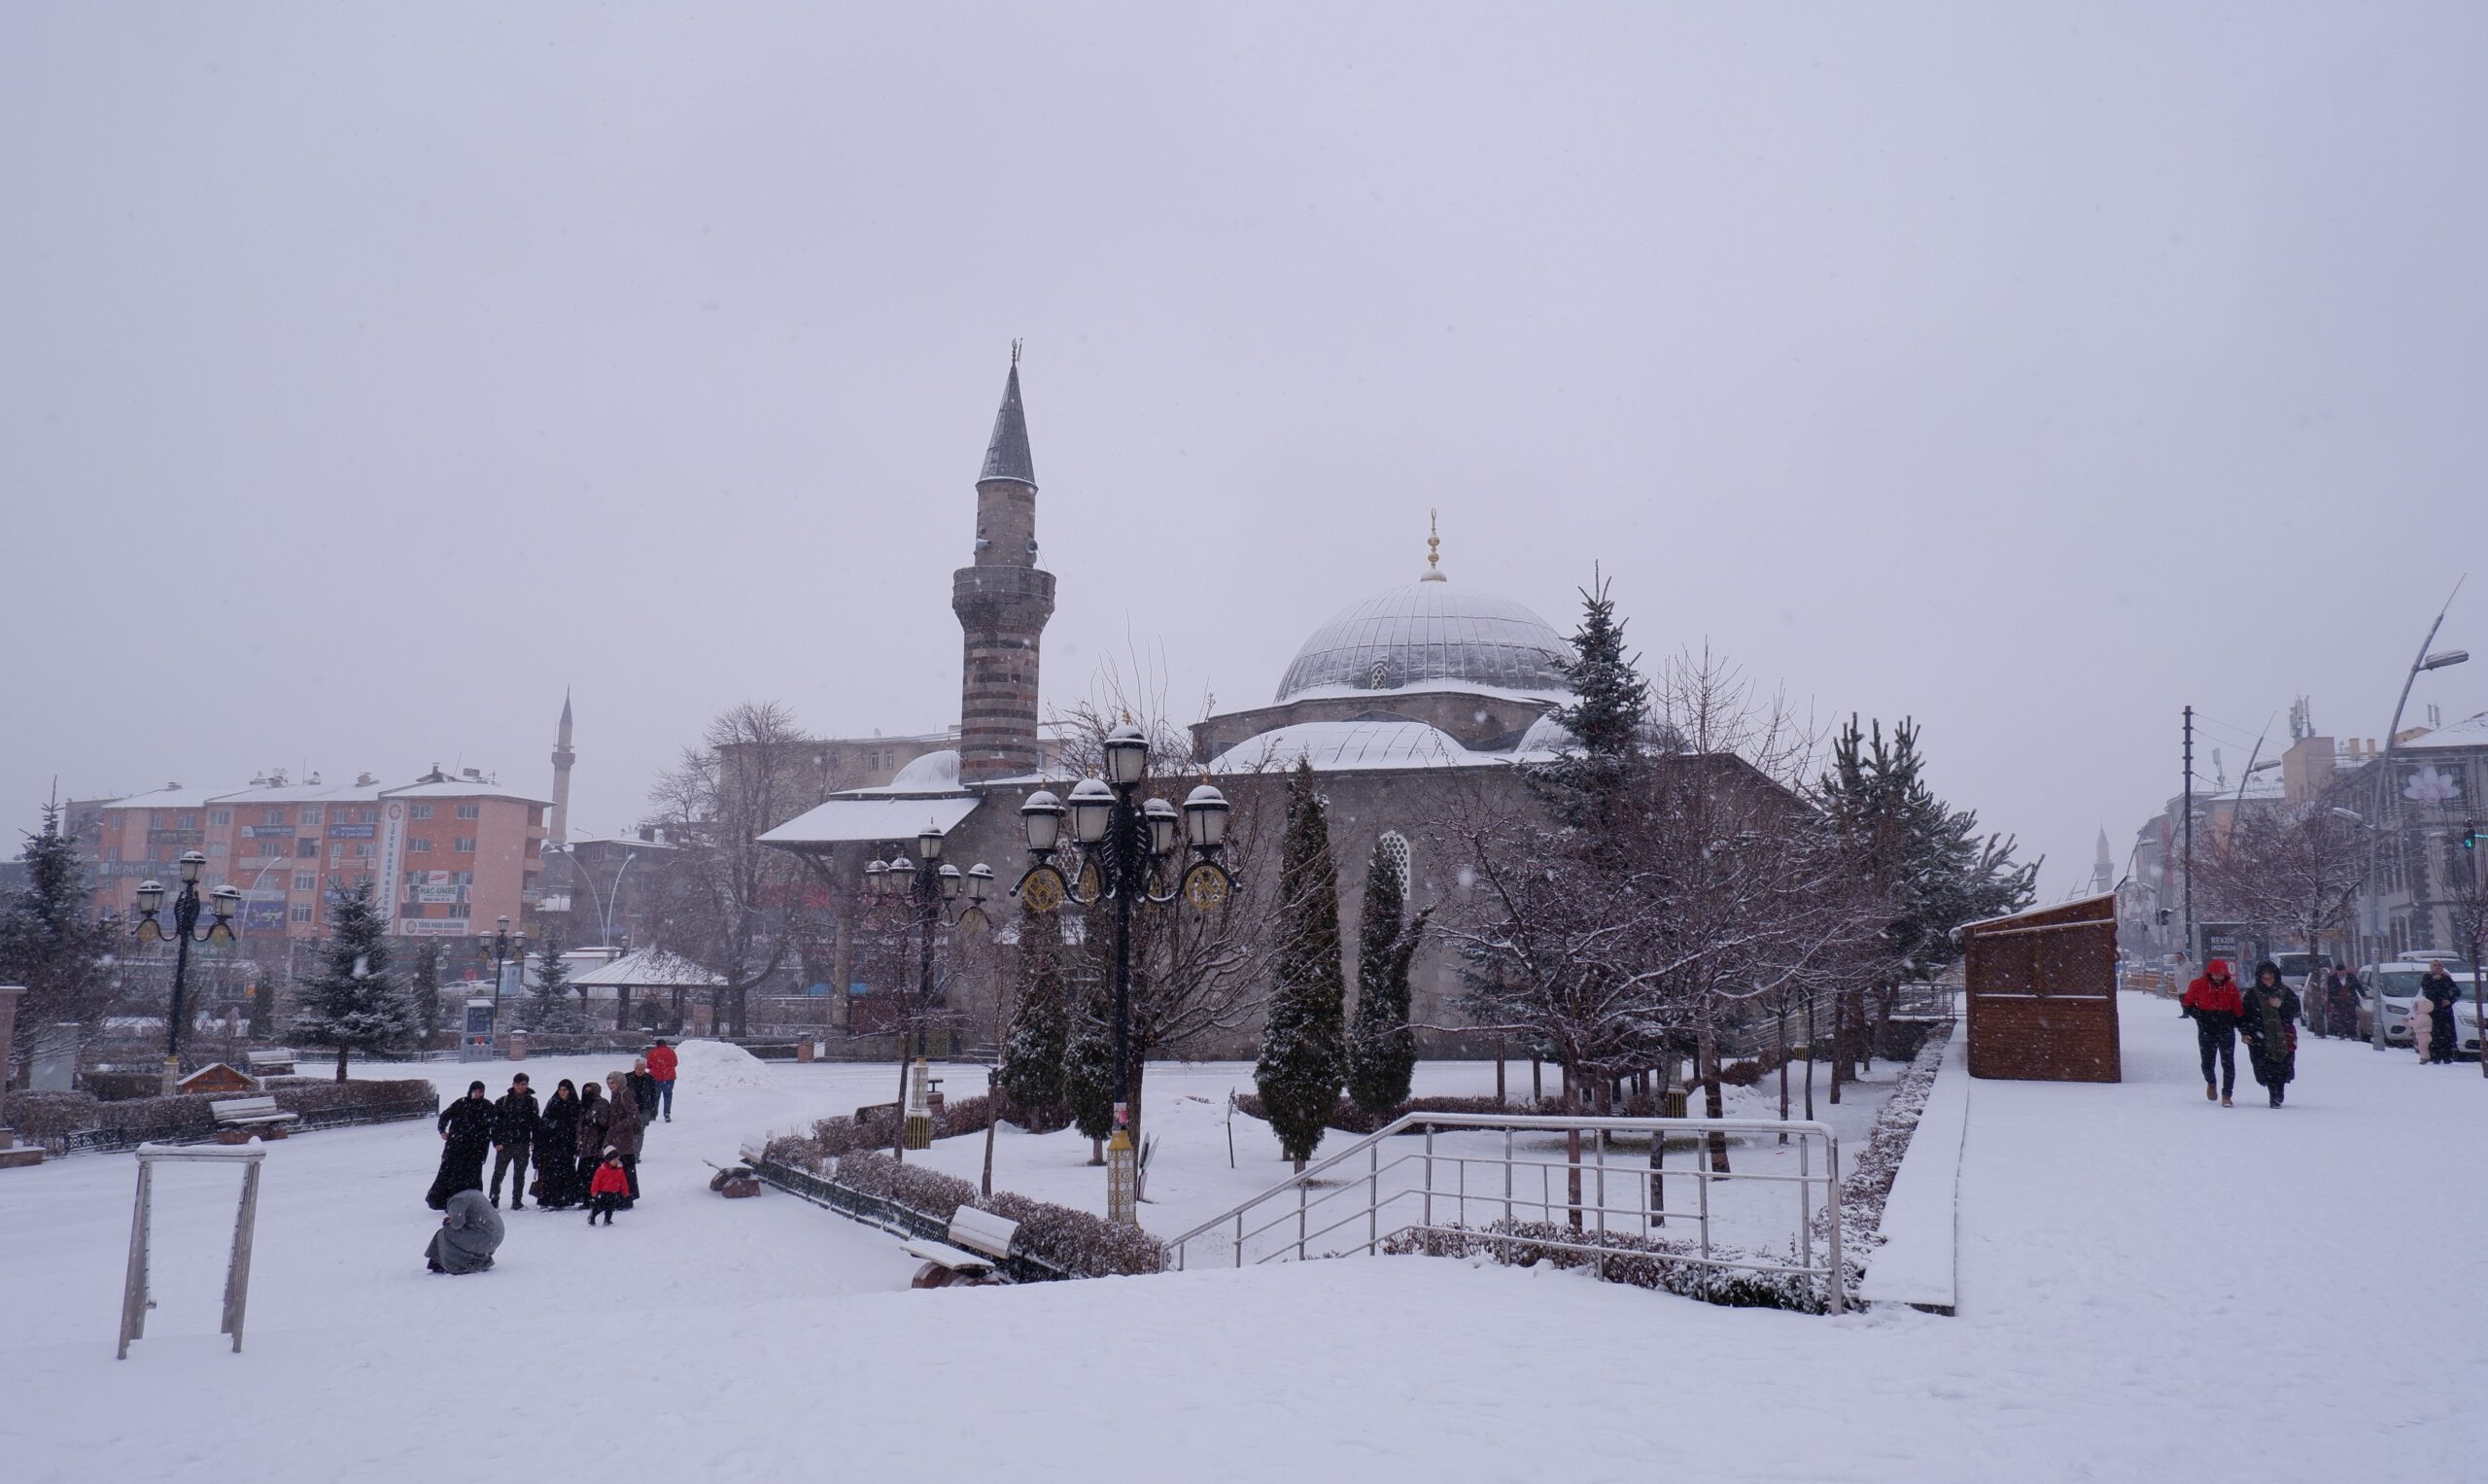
584	1144
2266	1014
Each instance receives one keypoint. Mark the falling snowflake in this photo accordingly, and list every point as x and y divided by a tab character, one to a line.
2432	785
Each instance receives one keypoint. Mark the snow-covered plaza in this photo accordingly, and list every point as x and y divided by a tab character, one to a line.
2152	1286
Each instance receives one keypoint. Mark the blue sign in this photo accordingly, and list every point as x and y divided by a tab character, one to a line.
352	831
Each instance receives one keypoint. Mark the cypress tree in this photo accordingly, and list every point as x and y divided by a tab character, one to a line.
353	1004
1034	1051
1382	1050
423	986
1302	1055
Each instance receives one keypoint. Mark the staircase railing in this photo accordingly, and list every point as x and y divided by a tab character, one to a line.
1445	1174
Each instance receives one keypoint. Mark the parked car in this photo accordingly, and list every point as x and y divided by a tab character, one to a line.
2398	985
2295	967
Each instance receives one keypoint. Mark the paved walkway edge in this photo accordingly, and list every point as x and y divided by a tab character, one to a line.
1918	1264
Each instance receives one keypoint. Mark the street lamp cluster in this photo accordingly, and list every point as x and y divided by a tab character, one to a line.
929	891
186	931
501	948
1121	851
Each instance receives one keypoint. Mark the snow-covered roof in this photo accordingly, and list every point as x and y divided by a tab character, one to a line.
865	817
936	771
170	796
1341	746
2469	732
650	966
1546	737
461	789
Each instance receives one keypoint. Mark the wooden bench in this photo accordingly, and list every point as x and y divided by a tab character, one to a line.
245	1114
272	1062
979	1239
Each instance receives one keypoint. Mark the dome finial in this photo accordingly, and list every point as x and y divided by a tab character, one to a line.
1434	550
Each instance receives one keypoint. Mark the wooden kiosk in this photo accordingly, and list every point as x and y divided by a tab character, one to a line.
2042	993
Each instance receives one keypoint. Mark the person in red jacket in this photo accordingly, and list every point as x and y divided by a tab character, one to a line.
2217	1008
609	1188
662	1062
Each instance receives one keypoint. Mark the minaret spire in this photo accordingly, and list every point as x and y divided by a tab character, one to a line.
1434	550
556	831
1003	601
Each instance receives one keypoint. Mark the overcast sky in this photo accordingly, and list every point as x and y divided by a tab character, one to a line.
368	374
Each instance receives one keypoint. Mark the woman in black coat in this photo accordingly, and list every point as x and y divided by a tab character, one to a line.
2270	1025
557	1141
593	1117
466	1137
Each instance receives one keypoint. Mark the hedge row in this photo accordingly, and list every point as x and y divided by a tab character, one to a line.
1649	1262
53	1116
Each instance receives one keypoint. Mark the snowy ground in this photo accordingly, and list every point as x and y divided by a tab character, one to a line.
2151	1287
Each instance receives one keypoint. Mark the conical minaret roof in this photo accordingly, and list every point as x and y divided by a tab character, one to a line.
1006	454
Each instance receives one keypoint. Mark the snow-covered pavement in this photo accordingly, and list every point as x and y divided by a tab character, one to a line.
2151	1287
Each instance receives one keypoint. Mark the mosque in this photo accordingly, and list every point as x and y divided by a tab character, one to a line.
1401	700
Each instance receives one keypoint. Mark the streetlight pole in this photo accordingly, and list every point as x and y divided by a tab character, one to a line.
926	892
151	901
503	947
2383	785
1122	845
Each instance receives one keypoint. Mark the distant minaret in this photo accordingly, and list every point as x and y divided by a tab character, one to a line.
1003	602
2104	875
559	833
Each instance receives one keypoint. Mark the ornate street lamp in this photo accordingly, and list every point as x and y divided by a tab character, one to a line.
502	948
927	892
184	932
1126	852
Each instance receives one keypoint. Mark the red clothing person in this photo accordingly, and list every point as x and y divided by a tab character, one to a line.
608	1189
2216	1006
662	1063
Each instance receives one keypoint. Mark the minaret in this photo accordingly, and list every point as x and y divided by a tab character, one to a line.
1003	602
2104	875
558	829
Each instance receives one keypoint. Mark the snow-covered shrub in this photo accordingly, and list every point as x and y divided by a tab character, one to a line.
48	1116
1075	1243
1871	1173
1649	1262
1348	1118
963	1115
355	1094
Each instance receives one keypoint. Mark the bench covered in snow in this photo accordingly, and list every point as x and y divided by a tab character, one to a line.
250	1113
979	1239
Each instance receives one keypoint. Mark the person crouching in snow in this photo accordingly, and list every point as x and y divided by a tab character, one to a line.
2213	1004
2271	1027
467	1237
609	1189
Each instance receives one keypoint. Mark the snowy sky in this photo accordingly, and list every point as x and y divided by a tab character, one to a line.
368	374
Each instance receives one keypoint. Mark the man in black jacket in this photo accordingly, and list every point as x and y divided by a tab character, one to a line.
513	1132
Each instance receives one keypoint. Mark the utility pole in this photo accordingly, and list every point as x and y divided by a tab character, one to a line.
2189	859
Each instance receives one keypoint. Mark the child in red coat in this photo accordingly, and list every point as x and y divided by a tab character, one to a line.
609	1188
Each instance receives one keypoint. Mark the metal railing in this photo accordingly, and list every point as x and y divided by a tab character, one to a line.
1429	1174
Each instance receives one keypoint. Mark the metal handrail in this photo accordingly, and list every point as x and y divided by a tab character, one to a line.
1646	1182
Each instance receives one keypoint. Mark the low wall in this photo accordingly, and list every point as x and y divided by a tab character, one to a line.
1918	1261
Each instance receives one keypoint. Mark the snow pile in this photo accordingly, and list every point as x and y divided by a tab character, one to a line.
719	1064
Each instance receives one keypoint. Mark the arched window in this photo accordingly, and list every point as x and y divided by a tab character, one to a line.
1394	846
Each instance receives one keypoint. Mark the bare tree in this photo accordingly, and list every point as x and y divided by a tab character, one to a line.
726	902
2294	870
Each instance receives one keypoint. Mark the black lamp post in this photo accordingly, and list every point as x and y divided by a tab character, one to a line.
928	891
151	928
502	948
1123	849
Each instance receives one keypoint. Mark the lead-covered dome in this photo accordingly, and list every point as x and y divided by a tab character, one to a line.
1430	632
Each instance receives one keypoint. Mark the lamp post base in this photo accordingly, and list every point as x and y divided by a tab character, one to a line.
917	1131
1122	1193
172	1077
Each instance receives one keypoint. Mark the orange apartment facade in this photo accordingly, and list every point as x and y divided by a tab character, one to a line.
454	854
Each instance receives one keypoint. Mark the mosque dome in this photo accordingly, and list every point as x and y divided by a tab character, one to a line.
1431	633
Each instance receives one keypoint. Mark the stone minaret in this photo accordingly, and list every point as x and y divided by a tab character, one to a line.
558	829
1003	602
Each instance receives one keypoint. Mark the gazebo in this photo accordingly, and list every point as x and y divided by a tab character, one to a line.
648	974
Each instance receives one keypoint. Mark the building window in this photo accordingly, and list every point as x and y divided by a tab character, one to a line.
362	850
215	849
419	811
266	847
306	880
462	878
470	812
220	818
310	813
463	844
419	844
271	816
307	846
301	911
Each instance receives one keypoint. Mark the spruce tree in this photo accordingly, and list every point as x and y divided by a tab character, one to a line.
1089	1051
1034	1049
1303	1058
50	941
1382	1050
353	1003
1611	697
548	1007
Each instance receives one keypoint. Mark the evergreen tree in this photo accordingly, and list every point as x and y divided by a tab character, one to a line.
1033	1052
1382	1050
50	941
353	1004
1088	1052
548	1007
1302	1055
423	986
1610	699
